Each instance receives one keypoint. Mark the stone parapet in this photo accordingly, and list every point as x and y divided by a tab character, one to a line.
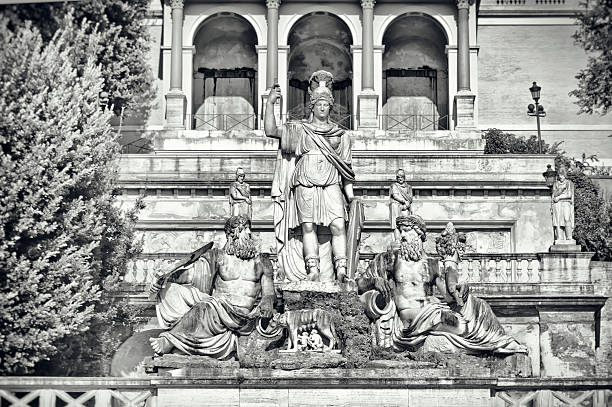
363	387
369	165
372	140
565	266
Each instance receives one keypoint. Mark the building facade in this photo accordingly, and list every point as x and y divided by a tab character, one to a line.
398	66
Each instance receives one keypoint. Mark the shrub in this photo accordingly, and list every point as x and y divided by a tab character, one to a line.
498	142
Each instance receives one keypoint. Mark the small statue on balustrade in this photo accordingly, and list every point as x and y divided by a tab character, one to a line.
206	308
400	196
404	315
562	206
240	196
450	245
311	188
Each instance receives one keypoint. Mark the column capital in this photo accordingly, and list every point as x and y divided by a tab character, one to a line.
464	4
176	3
273	3
368	3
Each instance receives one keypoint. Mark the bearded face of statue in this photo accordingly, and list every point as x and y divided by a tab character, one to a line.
411	245
240	242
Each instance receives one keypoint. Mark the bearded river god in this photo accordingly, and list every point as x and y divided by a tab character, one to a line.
207	308
404	315
313	182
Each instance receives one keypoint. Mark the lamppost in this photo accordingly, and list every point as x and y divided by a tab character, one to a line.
536	110
549	175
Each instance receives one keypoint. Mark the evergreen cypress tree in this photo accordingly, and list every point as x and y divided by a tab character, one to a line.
57	184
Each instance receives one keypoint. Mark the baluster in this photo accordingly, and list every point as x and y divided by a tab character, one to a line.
470	270
519	270
274	268
508	265
530	270
497	270
129	272
132	271
484	276
144	272
478	274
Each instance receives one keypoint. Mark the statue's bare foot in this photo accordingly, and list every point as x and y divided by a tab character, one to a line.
160	345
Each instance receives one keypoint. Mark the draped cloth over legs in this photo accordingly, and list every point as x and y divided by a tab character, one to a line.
211	328
476	329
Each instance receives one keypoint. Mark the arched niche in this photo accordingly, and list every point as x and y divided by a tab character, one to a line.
415	74
225	74
320	40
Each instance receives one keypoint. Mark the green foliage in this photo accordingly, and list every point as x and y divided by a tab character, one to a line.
62	242
593	215
594	34
123	39
498	142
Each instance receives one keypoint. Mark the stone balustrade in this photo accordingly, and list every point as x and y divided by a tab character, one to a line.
306	387
474	267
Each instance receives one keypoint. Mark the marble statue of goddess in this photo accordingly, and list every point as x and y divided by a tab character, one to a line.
313	182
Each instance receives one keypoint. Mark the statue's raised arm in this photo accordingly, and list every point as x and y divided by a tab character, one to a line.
270	126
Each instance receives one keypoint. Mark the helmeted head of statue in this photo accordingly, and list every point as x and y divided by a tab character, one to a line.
320	88
240	175
562	172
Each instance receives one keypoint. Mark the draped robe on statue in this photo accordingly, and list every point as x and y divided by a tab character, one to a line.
395	208
202	323
475	328
307	187
240	207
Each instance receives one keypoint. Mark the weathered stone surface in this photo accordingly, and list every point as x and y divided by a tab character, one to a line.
567	345
565	267
348	316
526	330
602	279
464	365
175	361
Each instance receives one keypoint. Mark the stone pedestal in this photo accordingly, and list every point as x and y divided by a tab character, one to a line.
565	246
342	302
176	104
464	110
567	343
565	266
367	107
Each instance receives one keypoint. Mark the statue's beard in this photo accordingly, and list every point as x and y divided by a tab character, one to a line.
411	250
242	246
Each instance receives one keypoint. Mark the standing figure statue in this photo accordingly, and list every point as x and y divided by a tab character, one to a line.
563	206
313	181
240	196
400	196
206	309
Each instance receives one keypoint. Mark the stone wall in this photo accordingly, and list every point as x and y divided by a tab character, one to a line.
602	278
511	57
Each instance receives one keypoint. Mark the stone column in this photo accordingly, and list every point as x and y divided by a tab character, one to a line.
368	99
464	99
272	58
272	52
367	61
175	98
463	45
